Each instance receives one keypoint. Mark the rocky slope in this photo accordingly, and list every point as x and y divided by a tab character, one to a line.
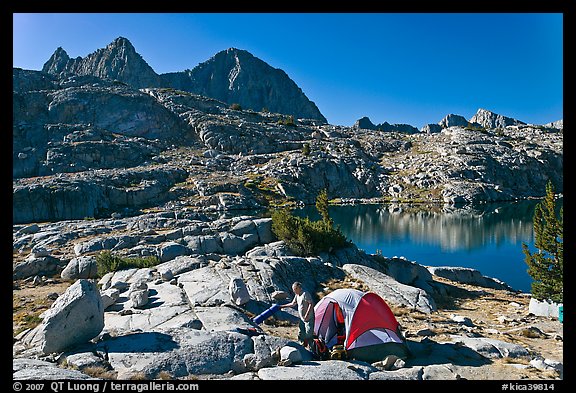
233	76
99	165
117	61
236	76
89	147
180	318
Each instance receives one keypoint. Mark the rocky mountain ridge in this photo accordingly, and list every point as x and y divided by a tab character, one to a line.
117	61
233	76
483	118
126	149
367	124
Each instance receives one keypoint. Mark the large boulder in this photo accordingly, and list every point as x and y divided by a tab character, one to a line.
239	294
80	267
180	352
75	317
32	266
491	348
316	371
467	275
391	290
543	308
33	369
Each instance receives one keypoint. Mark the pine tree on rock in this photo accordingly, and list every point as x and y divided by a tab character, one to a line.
546	266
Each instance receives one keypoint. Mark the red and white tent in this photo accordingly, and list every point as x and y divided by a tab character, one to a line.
362	322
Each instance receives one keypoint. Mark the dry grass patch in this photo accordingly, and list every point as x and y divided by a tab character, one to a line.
164	375
100	372
348	282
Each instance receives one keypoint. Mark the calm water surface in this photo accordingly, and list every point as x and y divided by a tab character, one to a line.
488	237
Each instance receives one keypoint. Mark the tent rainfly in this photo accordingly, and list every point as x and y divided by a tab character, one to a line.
362	322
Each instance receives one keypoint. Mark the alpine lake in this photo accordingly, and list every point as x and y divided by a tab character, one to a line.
486	237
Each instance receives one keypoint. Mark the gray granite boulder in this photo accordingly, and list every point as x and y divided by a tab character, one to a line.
75	317
180	352
33	266
34	369
403	374
80	267
467	276
391	290
238	292
491	348
544	308
315	371
171	250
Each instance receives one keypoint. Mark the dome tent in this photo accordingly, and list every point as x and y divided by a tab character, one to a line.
370	330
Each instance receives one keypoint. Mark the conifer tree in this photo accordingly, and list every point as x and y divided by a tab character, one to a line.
322	207
546	266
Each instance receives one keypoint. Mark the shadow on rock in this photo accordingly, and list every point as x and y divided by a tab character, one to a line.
153	300
428	352
140	342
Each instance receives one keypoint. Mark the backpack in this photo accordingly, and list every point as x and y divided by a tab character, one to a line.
319	349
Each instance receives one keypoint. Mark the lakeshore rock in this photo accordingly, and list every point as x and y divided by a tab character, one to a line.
467	276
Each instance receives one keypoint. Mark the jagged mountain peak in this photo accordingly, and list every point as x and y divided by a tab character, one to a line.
236	56
120	46
60	52
232	75
118	60
237	76
57	62
489	119
482	110
121	41
234	50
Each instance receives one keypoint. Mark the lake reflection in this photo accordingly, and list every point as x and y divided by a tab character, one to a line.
487	237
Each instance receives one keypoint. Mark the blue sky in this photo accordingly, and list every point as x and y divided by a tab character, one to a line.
400	68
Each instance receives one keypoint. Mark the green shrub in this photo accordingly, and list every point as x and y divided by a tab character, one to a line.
305	237
306	149
474	127
287	121
236	107
106	262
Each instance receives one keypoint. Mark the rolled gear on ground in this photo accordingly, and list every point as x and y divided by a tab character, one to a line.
266	314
